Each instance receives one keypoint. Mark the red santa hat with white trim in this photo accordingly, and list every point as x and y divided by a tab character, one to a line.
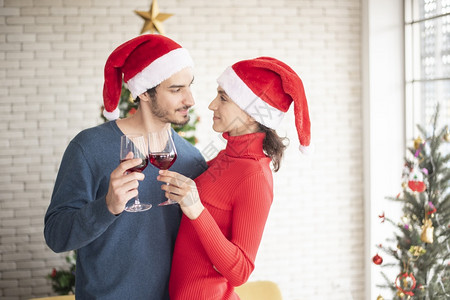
265	87
144	62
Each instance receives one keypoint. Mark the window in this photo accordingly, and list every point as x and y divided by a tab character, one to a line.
427	62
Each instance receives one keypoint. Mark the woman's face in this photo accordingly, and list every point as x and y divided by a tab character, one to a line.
229	117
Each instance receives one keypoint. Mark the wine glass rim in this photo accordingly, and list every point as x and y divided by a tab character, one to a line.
133	135
162	130
163	137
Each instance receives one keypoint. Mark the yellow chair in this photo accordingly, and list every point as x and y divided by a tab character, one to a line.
66	297
259	290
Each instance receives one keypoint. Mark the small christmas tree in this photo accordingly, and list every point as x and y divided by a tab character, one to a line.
63	281
422	240
128	107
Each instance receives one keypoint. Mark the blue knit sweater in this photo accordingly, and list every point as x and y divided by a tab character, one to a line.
119	257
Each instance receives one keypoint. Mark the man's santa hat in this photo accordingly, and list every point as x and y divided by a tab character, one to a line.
145	62
265	87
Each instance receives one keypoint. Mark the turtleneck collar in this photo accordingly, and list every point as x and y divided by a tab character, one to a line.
245	146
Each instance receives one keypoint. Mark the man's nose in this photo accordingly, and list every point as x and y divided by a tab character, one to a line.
188	98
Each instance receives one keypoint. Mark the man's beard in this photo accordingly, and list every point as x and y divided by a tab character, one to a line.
163	114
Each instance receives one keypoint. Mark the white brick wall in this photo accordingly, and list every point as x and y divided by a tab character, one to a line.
52	55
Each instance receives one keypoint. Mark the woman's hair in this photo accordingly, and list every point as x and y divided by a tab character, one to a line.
273	145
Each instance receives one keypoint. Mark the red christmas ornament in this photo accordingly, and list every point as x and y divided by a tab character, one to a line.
417	186
132	111
378	260
431	208
405	283
415	182
382	217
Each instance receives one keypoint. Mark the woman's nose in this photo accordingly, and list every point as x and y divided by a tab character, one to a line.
212	105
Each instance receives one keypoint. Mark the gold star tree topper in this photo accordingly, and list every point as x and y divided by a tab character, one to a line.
153	19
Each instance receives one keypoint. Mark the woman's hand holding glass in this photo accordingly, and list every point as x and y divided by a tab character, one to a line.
182	190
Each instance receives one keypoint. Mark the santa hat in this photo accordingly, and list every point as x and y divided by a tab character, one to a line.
265	87
145	62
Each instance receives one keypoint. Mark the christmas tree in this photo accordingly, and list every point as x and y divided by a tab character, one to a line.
420	246
63	281
127	107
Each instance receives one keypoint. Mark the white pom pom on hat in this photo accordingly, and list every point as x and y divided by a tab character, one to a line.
144	62
265	87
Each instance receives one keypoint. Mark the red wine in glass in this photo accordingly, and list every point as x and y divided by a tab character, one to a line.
138	168
162	160
134	146
162	152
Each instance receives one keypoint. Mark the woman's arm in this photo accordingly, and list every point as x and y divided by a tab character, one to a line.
233	258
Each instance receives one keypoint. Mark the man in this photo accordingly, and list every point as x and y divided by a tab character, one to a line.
123	255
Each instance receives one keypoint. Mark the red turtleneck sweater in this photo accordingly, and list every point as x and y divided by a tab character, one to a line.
216	252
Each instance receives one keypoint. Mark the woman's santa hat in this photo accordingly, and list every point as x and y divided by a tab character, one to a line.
145	62
265	87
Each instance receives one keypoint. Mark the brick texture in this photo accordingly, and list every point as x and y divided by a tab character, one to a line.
52	55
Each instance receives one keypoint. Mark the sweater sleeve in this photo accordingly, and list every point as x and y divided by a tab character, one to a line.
75	216
235	258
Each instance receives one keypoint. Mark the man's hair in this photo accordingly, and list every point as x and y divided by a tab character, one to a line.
151	93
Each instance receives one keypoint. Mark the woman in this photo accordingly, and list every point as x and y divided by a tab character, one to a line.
226	208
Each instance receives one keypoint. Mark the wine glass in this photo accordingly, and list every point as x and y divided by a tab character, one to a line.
162	153
134	146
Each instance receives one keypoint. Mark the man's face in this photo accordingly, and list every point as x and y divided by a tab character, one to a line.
174	98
